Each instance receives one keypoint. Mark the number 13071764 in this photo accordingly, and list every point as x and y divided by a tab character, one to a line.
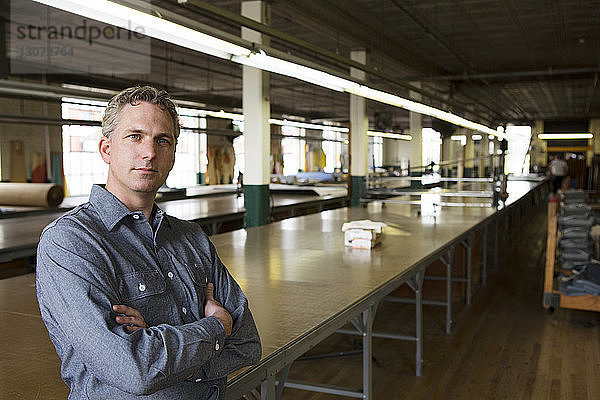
44	51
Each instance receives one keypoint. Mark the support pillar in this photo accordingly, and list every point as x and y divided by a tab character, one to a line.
359	124
257	110
416	144
446	156
483	152
595	142
469	156
538	154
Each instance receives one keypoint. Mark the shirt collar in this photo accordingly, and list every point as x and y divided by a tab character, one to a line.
111	210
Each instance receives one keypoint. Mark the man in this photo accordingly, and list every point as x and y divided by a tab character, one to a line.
131	296
559	170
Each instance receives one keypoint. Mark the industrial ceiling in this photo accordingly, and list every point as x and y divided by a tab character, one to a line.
492	61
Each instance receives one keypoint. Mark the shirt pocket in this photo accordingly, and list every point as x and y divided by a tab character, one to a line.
137	285
146	292
201	275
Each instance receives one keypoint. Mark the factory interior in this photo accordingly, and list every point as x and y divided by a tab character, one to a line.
407	192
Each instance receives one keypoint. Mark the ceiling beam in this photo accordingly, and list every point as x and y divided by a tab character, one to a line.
543	73
205	7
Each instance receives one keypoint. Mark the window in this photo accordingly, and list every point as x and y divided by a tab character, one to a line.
375	152
432	141
240	162
517	160
188	154
293	150
332	149
82	163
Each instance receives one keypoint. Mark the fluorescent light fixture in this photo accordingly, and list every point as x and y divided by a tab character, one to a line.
460	138
305	125
476	137
159	28
387	98
389	135
283	67
282	122
222	114
552	136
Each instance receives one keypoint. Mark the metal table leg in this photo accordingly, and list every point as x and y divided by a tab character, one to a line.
447	261
483	242
506	216
496	242
267	387
367	322
417	285
468	244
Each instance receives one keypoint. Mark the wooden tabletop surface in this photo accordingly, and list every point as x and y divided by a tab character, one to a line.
296	273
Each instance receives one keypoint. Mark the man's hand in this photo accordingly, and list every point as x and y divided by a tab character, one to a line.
132	319
214	308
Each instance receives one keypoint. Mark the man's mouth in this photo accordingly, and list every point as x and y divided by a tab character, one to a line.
145	169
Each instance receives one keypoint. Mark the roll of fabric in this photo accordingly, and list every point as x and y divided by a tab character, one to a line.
31	194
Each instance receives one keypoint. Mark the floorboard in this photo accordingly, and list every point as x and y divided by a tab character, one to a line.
504	346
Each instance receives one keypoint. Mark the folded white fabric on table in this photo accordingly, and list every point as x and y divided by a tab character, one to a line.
363	234
364	224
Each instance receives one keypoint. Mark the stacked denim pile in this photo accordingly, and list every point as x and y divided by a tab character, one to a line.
576	246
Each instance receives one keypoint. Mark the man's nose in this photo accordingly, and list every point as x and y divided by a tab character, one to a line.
148	149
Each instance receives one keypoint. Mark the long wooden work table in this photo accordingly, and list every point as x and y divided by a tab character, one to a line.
19	234
303	285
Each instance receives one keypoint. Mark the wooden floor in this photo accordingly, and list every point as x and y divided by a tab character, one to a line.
504	346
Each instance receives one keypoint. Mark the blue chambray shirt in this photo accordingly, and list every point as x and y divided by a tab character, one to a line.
100	254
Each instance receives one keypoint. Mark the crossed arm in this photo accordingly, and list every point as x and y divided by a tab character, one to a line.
133	319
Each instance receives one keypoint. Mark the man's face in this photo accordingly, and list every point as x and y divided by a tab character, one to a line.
141	150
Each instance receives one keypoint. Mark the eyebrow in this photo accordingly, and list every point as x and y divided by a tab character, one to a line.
139	130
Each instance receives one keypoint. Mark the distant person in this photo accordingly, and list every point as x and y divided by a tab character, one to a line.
429	169
558	171
138	304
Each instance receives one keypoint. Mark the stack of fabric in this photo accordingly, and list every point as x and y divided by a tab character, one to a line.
585	281
574	224
576	246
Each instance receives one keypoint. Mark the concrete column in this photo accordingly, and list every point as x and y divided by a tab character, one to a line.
483	154
257	110
595	141
359	124
446	156
460	156
469	155
416	144
538	155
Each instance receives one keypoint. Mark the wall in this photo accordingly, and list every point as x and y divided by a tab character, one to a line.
32	136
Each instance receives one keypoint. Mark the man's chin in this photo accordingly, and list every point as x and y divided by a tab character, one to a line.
146	187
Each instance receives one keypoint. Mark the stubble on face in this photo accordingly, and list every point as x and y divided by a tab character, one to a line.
141	151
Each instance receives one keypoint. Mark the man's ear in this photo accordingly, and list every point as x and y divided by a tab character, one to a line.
104	148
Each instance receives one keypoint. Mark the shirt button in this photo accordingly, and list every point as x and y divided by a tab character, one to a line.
170	275
217	347
136	216
184	310
142	287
